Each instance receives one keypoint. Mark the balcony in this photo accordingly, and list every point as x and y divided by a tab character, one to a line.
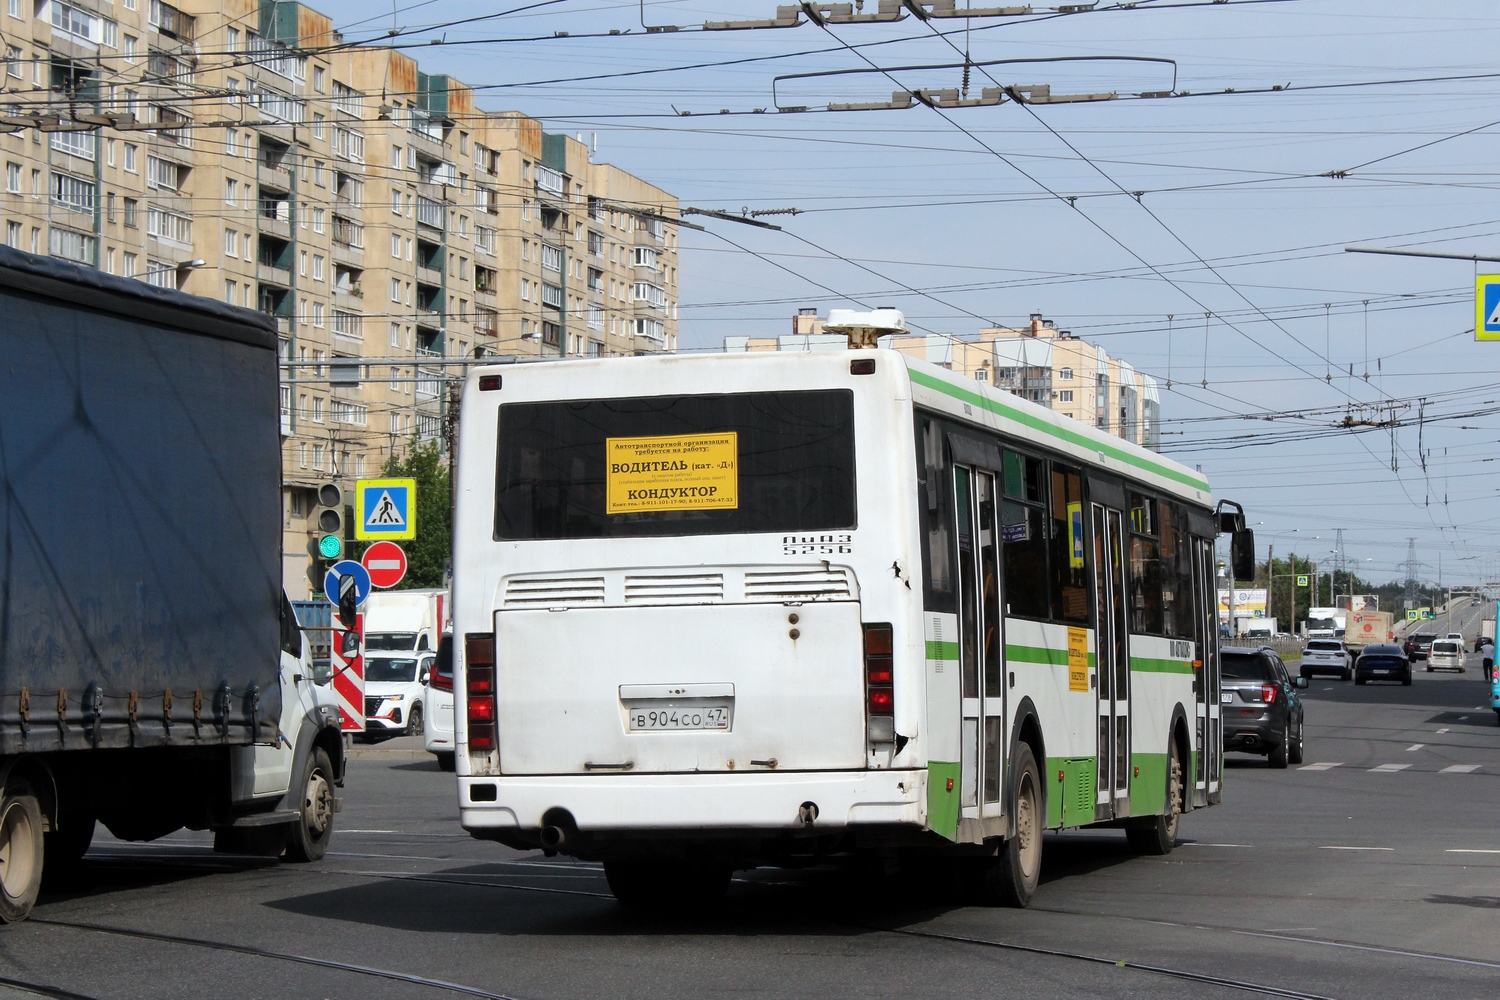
429	212
429	276
271	225
272	275
275	176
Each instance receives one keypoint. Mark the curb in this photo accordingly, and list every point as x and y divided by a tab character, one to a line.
375	753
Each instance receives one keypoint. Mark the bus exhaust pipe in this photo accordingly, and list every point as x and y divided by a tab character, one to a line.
554	838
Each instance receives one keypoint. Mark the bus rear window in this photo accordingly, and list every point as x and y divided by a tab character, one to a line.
676	465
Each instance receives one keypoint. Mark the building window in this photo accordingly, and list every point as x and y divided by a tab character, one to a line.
317	267
131	207
317	314
229	291
396	290
231	243
1065	396
131	151
13	235
1065	374
13	8
13	178
395	334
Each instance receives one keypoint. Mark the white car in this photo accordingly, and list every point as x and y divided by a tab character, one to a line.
1327	656
438	740
1457	637
1446	654
395	693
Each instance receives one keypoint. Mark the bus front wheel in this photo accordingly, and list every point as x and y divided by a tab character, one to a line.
1010	879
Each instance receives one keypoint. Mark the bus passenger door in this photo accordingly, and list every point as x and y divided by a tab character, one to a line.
1205	672
981	639
1112	789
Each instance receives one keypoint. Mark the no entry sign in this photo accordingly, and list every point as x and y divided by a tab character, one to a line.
386	563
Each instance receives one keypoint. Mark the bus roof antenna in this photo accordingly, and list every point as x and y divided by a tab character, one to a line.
864	329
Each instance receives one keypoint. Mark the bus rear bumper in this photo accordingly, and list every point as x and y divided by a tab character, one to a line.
768	801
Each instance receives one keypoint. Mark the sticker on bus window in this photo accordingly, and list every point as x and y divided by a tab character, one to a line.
679	472
1075	535
1078	659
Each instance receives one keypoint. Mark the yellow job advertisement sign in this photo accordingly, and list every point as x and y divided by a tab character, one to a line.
1078	659
679	472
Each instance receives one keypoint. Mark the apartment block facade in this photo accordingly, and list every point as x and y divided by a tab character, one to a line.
1037	361
241	151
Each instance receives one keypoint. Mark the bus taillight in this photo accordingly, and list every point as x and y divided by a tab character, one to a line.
879	681
479	670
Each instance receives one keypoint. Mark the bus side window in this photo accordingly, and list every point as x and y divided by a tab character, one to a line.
1070	595
1023	533
937	517
1176	572
1145	567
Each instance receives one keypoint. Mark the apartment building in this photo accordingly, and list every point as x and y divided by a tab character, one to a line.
1037	361
239	150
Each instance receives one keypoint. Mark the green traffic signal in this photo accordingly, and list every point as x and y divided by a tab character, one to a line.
330	546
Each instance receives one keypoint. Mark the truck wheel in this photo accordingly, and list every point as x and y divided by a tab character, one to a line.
666	887
310	836
1011	878
21	852
414	723
445	761
1158	834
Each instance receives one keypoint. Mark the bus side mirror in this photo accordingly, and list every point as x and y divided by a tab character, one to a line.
1242	554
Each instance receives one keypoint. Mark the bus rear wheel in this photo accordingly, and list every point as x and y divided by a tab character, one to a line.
1158	834
1010	879
666	887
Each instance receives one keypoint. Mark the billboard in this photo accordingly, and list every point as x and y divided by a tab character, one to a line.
1247	604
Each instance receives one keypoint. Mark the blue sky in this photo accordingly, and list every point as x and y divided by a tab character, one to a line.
971	208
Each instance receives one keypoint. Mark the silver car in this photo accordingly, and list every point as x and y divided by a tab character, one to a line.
1327	656
1446	654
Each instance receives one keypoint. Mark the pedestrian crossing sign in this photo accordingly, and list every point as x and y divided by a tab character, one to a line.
387	509
1487	307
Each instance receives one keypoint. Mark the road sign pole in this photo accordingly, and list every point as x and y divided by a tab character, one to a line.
348	662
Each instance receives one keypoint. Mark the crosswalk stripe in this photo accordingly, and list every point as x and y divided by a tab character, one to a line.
1321	766
1391	767
1459	769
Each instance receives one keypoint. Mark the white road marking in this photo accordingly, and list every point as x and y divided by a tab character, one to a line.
368	831
1462	718
1472	850
1342	848
1415	746
1387	768
1322	765
1442	730
1459	769
1196	844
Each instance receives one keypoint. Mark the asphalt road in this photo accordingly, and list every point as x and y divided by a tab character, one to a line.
1371	872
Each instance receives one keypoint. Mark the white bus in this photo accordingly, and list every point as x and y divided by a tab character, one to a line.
722	611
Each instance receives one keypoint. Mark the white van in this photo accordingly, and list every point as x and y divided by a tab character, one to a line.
408	621
395	693
438	739
1446	654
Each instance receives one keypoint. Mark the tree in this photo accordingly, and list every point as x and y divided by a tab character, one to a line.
428	554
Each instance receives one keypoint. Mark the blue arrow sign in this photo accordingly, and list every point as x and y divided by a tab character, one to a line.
347	567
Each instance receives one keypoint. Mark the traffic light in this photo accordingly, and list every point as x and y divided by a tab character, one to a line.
328	522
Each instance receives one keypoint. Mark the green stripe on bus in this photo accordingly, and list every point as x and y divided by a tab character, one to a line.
1041	654
942	650
1063	433
1147	665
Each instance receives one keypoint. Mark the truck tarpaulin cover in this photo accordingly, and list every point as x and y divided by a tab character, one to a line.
140	535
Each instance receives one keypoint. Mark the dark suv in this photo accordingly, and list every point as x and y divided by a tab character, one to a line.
1418	645
1260	707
